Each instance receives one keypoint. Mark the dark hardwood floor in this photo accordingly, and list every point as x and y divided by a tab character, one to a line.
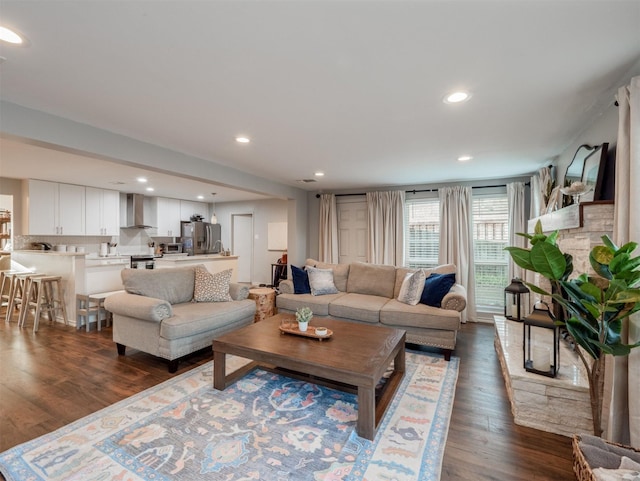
58	375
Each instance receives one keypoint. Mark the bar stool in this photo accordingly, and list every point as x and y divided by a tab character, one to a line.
6	278
18	297
48	295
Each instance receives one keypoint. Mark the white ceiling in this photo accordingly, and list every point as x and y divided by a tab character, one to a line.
351	88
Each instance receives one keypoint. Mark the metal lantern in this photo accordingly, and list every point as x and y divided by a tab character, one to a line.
541	342
516	299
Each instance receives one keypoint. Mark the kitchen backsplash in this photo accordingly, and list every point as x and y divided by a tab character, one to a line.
129	242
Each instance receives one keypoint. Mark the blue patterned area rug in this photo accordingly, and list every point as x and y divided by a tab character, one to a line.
263	427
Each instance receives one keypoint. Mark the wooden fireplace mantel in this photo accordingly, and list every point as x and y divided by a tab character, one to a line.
570	217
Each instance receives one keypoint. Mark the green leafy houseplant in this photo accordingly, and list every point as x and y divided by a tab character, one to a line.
594	308
304	314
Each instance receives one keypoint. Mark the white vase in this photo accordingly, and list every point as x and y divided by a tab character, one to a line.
303	326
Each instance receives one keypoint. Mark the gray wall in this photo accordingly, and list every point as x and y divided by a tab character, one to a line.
263	213
604	129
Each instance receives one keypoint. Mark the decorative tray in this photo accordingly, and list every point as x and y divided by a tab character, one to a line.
310	332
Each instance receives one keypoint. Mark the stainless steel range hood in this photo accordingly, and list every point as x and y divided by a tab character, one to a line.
135	212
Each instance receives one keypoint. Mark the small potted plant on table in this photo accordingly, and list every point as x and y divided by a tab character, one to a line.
303	316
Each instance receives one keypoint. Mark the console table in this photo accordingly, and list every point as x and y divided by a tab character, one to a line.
558	405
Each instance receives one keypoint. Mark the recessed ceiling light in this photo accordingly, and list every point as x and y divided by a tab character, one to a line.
319	174
150	189
10	36
457	97
201	197
243	140
464	158
142	180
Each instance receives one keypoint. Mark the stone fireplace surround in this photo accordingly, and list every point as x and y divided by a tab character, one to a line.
559	405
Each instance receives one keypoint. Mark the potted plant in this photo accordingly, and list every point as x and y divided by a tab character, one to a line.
594	308
303	316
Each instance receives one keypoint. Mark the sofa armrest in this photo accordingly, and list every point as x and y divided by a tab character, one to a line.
455	299
138	307
238	292
286	286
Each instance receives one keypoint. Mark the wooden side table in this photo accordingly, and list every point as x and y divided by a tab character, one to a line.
265	299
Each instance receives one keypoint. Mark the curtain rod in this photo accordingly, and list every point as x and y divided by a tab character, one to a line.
414	191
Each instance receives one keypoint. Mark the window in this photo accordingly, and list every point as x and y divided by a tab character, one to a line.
422	232
490	237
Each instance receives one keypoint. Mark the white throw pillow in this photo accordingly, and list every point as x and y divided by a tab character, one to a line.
412	287
321	281
212	287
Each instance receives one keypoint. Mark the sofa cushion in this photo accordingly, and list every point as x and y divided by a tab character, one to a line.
436	287
340	272
412	288
359	307
194	318
300	280
396	314
172	285
210	287
318	304
321	281
371	279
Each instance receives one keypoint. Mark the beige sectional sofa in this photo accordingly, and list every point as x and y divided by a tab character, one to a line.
157	314
368	293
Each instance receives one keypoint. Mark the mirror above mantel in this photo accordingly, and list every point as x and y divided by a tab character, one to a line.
588	166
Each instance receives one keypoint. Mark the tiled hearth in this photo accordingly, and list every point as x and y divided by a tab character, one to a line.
559	405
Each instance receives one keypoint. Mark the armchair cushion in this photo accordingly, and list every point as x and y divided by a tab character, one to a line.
172	285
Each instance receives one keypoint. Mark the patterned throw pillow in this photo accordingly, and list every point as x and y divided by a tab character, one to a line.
412	287
321	281
212	287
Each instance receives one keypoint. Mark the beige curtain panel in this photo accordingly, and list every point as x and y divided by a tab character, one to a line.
623	373
385	227
456	240
517	223
328	230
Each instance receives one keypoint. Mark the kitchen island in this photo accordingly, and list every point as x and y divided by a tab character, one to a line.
84	273
213	262
70	266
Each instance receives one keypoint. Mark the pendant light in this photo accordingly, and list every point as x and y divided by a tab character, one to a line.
214	219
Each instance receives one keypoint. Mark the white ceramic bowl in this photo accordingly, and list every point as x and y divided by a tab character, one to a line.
321	331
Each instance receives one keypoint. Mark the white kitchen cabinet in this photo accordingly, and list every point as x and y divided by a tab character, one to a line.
102	212
168	217
55	209
189	208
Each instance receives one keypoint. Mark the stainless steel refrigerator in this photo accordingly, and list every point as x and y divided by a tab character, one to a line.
200	238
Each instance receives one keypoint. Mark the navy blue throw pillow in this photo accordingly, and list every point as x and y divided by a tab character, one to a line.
436	287
300	281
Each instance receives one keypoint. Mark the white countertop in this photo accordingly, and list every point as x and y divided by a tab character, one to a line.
49	253
201	257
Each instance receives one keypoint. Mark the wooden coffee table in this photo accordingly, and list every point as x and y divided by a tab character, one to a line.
353	360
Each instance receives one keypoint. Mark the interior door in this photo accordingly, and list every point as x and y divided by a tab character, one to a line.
352	232
242	245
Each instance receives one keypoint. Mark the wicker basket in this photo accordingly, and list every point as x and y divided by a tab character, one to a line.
580	465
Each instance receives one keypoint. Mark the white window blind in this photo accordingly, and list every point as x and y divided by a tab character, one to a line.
490	237
422	232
